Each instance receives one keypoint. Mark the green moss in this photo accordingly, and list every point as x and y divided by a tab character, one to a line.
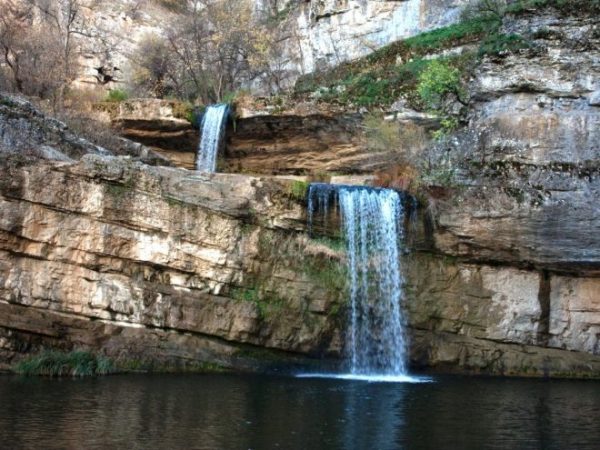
298	190
326	272
266	302
58	364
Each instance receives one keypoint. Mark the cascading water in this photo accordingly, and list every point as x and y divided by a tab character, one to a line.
372	225
213	125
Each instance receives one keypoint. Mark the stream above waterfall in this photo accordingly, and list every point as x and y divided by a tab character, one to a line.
221	411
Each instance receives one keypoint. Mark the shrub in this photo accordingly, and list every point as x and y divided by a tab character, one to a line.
116	95
59	364
437	81
486	8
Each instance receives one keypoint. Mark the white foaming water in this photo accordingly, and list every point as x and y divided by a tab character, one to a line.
368	378
213	125
371	220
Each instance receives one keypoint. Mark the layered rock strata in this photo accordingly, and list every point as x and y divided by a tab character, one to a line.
517	289
160	265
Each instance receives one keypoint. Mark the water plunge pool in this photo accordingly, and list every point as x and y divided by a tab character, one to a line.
221	411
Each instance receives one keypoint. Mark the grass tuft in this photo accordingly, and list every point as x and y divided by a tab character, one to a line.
59	364
116	95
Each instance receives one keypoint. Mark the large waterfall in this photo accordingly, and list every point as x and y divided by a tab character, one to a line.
372	225
213	124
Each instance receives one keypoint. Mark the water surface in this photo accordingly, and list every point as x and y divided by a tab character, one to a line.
260	412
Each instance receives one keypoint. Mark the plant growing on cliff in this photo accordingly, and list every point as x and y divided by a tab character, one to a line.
297	190
500	44
439	81
59	364
116	95
42	42
486	8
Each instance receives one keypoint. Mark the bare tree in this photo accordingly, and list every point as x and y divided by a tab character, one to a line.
41	43
218	47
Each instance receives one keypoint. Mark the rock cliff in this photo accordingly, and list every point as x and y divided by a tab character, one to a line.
324	33
158	266
517	287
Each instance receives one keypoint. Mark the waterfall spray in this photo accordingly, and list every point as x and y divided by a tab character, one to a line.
371	221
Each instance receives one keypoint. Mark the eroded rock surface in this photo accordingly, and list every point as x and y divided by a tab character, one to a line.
517	287
532	154
215	262
501	320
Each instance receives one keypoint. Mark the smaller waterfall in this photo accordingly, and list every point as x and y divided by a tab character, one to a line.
372	224
213	125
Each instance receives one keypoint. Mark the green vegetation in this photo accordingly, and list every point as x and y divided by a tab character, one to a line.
448	124
59	364
437	81
497	44
326	272
471	30
394	70
298	190
335	244
116	95
187	111
265	305
564	6
402	69
5	101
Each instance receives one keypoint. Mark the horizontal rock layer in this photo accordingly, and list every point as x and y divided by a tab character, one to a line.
502	320
531	155
221	258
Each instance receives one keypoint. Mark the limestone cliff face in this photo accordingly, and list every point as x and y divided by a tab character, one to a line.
160	264
532	153
520	291
166	265
314	34
324	33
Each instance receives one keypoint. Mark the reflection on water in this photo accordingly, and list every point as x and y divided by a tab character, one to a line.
252	412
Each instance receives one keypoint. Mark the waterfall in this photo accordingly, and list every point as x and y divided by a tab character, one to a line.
213	125
372	226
